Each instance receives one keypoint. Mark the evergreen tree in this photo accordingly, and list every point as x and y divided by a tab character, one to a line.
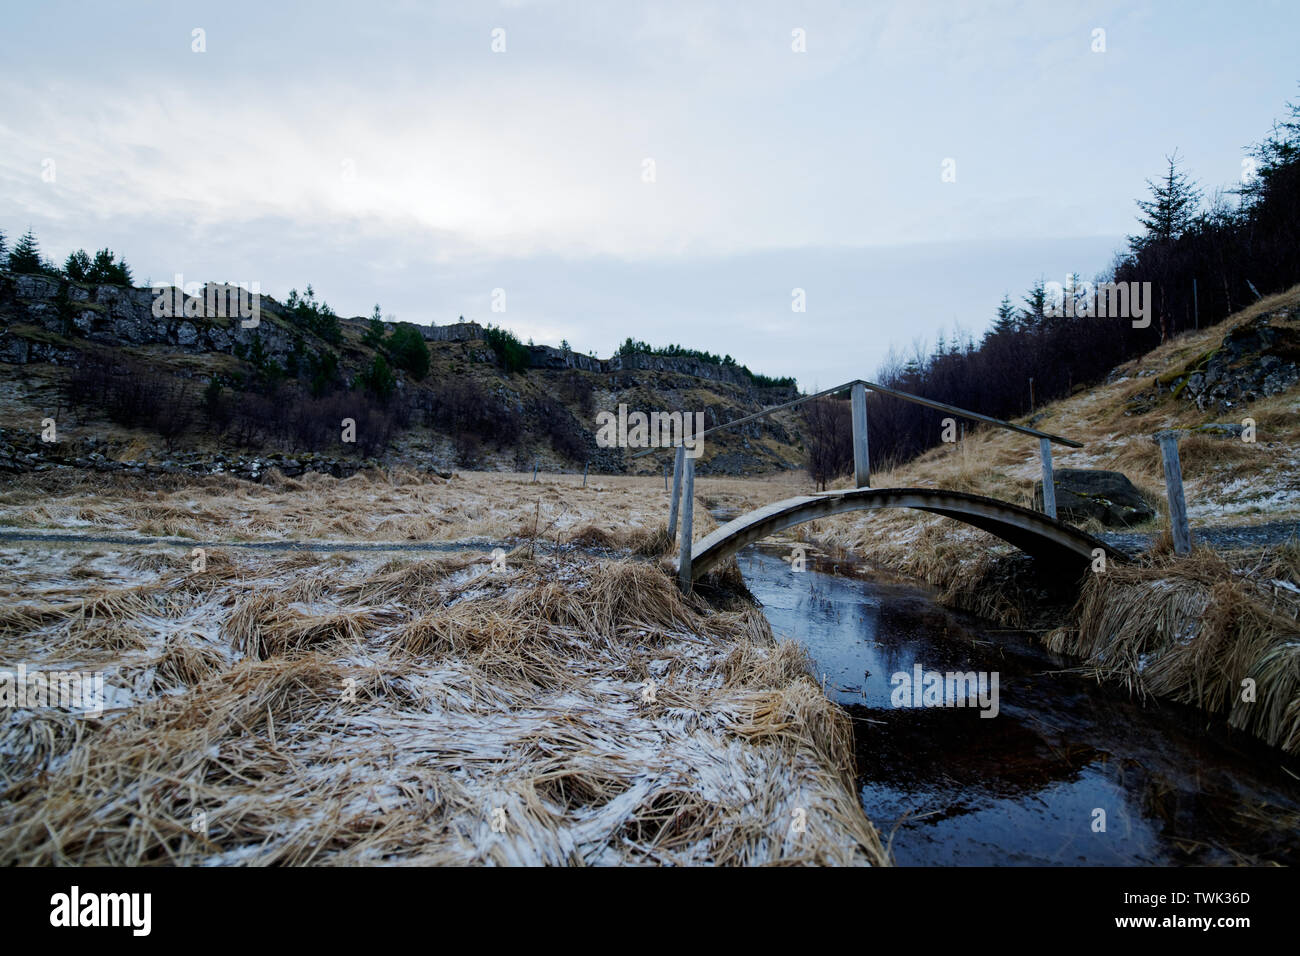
408	351
105	268
77	266
1170	210
323	367
101	267
26	257
374	335
1006	323
4	249
1034	315
1277	155
1271	203
379	379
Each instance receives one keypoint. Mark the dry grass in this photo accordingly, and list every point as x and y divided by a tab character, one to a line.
372	506
326	709
385	711
1196	630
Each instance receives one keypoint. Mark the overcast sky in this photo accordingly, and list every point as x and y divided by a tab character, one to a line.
383	151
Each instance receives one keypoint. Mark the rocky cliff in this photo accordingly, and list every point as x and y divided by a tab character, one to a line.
231	376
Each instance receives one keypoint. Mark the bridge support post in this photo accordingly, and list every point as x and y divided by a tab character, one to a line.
677	491
861	461
1049	478
688	509
1178	527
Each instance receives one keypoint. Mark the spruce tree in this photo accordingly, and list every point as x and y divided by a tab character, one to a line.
408	351
102	267
379	379
77	266
26	257
1274	157
1005	323
374	335
1034	315
105	267
1170	210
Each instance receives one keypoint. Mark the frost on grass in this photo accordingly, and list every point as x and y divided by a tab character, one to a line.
327	710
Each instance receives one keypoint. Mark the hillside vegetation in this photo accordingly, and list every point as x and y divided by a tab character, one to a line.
129	386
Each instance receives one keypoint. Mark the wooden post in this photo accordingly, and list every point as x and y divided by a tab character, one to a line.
665	476
677	492
534	471
861	461
1049	479
584	474
688	509
1178	527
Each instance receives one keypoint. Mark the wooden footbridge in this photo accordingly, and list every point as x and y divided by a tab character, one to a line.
1037	533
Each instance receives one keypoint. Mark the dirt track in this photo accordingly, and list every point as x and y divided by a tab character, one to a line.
1225	538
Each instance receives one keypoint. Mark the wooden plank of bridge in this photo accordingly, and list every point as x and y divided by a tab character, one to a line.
677	491
861	461
1031	531
688	509
1049	478
1178	526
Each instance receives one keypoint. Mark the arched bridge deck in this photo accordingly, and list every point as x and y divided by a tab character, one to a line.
1031	531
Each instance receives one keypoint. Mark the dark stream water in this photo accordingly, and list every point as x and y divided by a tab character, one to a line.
1022	787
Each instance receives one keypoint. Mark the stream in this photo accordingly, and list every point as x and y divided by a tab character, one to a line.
945	785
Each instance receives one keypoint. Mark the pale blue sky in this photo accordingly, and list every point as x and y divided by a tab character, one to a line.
383	151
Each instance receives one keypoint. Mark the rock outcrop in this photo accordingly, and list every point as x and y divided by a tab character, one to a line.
51	311
474	416
1255	360
46	313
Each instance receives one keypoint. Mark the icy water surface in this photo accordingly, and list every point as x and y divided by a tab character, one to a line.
1022	787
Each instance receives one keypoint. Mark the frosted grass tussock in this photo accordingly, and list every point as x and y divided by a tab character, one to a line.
567	710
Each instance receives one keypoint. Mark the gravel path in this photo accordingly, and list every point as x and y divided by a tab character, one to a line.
1225	538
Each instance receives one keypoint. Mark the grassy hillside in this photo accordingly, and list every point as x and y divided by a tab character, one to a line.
284	388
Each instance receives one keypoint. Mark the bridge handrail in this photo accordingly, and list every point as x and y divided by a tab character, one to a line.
885	390
684	467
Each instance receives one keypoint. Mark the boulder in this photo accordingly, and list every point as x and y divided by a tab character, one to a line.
1108	496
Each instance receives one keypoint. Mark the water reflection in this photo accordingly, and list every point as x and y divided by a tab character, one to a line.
1025	787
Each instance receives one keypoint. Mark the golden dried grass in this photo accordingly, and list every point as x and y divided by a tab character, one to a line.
1195	630
392	720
